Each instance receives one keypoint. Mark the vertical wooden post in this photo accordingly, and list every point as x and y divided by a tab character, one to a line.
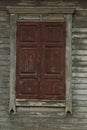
68	108
12	102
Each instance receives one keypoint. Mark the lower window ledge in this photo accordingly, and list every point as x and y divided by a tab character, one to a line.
40	103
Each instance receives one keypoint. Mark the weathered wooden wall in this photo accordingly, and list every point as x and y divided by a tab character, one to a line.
46	120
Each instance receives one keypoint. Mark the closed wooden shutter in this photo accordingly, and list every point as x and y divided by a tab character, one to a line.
40	72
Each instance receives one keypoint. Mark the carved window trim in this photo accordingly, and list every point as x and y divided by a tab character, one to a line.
66	14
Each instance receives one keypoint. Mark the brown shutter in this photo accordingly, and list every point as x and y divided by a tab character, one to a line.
53	61
41	60
28	63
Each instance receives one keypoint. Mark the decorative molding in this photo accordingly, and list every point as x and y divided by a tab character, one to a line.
12	102
68	64
40	10
42	17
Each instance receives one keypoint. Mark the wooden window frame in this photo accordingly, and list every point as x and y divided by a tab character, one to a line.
63	14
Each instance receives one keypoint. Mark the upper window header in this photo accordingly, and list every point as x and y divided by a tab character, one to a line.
40	10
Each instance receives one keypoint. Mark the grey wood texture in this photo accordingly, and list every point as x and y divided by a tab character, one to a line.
42	17
48	120
40	10
39	103
13	20
68	64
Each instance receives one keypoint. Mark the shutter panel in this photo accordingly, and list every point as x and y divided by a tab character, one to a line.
28	66
53	61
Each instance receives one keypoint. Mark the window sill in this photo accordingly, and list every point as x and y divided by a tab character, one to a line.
40	103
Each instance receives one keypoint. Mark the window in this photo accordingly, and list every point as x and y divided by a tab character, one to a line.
41	68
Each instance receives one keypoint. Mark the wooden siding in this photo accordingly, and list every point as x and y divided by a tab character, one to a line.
33	119
79	66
